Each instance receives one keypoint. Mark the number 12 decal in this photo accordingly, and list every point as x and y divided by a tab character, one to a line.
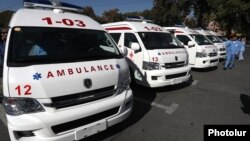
26	90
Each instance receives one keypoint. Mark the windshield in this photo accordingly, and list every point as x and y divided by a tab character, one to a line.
156	40
224	39
37	45
201	39
214	39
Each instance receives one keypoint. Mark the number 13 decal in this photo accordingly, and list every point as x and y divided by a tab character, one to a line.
26	90
155	59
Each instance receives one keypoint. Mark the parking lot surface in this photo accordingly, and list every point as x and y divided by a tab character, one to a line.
179	113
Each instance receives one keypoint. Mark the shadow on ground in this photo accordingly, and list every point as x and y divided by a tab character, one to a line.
245	103
139	109
4	134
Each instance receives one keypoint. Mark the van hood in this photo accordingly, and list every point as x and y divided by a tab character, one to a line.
167	55
52	80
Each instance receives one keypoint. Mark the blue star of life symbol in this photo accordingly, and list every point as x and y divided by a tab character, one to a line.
118	66
37	76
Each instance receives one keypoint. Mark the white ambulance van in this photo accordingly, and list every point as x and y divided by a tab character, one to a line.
64	78
223	39
216	41
156	58
202	52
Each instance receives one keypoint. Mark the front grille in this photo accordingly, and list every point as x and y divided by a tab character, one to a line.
174	65
84	121
175	75
222	49
80	98
212	61
223	54
212	54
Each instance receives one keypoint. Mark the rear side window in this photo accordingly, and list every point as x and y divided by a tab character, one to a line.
129	39
40	45
184	39
116	36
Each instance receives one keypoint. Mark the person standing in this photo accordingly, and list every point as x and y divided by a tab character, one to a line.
233	47
2	45
243	41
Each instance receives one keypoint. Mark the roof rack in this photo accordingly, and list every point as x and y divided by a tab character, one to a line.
180	25
51	4
138	19
172	31
199	28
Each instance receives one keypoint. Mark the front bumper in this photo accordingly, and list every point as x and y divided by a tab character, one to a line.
165	77
41	124
206	62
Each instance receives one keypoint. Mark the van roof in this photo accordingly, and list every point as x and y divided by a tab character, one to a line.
204	32
51	18
215	33
134	26
182	30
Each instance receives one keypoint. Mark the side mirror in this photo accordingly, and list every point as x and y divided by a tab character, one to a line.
124	51
191	44
135	46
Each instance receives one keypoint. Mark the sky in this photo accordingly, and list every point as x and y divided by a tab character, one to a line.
99	6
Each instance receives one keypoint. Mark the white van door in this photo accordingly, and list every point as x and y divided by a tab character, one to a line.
191	49
134	56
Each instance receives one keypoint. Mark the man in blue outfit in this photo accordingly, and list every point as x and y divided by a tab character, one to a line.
233	47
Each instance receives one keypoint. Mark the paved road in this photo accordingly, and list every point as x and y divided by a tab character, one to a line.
178	113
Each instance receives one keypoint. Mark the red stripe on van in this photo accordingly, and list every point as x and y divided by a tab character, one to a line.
178	31
118	28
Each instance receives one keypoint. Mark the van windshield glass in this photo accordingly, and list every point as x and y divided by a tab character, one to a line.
156	40
214	39
201	39
37	45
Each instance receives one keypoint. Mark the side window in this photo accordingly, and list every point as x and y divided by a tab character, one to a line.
184	39
116	36
129	38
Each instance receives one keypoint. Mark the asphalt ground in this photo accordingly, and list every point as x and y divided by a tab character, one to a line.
179	113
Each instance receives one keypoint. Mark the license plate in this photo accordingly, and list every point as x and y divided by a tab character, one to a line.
177	81
92	129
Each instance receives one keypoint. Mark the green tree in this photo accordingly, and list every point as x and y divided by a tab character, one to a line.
202	9
231	14
88	11
5	17
112	15
170	12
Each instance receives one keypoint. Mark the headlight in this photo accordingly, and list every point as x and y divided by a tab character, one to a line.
123	85
150	66
19	106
